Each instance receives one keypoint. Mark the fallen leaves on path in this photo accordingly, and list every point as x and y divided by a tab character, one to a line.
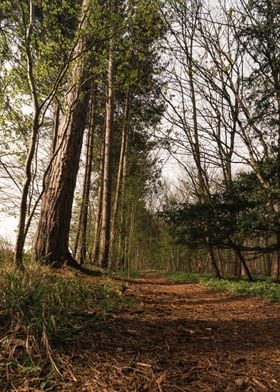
180	338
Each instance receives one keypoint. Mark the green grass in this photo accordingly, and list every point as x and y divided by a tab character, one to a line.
128	274
42	313
184	277
262	288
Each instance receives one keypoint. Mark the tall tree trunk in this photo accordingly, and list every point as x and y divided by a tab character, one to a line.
236	264
107	180
243	263
276	259
20	240
97	224
55	128
21	234
215	269
121	168
87	181
130	234
51	244
121	252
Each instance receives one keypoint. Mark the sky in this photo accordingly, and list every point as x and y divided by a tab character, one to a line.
8	224
8	227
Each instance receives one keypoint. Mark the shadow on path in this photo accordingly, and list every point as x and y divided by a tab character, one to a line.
186	338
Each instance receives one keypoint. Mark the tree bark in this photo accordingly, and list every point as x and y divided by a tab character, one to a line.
243	263
21	234
104	249
51	244
121	168
55	128
97	224
276	259
82	230
215	269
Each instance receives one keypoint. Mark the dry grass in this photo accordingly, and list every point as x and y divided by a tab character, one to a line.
6	251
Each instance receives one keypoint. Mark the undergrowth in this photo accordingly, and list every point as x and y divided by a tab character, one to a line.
128	274
41	313
261	288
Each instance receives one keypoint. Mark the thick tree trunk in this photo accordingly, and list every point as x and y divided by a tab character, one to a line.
51	244
104	249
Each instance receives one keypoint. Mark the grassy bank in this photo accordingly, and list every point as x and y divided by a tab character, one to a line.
261	288
43	313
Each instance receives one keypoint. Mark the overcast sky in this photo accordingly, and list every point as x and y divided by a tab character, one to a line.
8	226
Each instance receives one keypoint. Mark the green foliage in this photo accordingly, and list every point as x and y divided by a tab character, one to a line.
259	34
128	274
184	277
246	211
261	289
48	46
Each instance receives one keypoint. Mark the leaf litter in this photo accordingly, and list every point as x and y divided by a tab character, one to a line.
177	337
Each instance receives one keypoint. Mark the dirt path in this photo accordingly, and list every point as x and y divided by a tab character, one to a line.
183	338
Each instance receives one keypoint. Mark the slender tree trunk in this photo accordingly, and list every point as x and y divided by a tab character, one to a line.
243	263
51	244
276	260
21	234
130	233
55	129
87	174
121	253
236	264
107	181
98	215
20	240
276	266
215	269
87	182
121	168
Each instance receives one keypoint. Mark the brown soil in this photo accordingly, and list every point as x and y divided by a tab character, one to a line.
181	338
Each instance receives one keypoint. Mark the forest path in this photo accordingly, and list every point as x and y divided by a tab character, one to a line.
183	337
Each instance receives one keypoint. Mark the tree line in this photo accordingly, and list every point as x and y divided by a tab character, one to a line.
93	91
225	127
73	73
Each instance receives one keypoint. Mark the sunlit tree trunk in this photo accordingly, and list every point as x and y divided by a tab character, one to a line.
123	223
121	168
55	128
81	235
51	244
105	232
21	233
97	222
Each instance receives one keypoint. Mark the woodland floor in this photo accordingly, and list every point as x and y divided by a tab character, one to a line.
181	337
